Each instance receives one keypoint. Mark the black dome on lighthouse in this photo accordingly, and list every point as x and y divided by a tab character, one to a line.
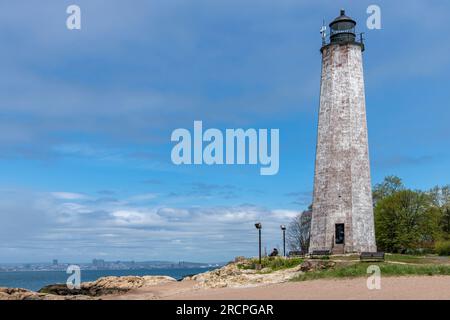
342	22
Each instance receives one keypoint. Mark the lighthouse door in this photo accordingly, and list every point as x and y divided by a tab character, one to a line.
340	233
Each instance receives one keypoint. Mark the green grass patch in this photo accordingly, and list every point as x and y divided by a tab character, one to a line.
417	259
345	257
405	258
272	263
360	270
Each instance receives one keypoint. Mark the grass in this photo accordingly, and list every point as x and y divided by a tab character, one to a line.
402	258
360	270
345	257
273	264
406	258
407	265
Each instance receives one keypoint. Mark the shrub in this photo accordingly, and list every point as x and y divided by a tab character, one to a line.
442	248
272	263
282	263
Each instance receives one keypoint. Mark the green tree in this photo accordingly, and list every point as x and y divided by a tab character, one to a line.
445	222
441	200
406	219
389	186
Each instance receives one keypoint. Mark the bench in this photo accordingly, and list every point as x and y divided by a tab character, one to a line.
320	253
296	254
372	256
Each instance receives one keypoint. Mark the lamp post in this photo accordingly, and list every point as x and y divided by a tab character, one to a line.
259	227
283	228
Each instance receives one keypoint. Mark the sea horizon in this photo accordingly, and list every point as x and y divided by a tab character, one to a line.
37	279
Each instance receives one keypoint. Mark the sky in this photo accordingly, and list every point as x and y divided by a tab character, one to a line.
86	118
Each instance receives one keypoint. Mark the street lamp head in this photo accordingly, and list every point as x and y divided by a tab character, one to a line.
258	225
283	227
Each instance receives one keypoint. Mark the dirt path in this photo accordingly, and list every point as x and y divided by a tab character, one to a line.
437	287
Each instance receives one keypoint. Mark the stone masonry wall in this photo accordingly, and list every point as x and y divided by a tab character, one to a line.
342	184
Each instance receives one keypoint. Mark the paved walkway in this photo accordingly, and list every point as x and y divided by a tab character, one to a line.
424	287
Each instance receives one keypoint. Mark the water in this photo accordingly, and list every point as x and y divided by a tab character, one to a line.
35	280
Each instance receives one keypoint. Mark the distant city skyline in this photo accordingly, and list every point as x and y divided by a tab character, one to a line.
100	264
86	117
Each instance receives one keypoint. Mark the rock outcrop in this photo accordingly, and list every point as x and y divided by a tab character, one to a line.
107	286
23	294
316	265
88	290
235	274
240	274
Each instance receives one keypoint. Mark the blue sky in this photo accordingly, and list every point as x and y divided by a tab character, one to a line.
86	118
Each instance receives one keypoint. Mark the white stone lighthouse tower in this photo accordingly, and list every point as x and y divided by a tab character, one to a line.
342	218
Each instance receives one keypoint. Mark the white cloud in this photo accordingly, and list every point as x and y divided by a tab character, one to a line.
122	229
130	218
173	212
68	196
284	214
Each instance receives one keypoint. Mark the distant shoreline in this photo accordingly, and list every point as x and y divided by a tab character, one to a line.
37	279
156	268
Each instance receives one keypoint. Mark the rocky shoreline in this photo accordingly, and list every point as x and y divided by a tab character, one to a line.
233	275
88	290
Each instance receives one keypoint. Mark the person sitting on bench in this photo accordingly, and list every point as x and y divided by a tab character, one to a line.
274	253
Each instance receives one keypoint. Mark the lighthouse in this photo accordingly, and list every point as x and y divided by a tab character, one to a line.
342	214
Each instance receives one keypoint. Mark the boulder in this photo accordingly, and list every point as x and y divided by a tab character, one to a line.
107	286
23	294
314	265
17	294
233	275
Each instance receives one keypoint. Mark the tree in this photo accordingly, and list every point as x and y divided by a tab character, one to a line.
445	222
440	195
298	232
441	200
406	219
389	186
